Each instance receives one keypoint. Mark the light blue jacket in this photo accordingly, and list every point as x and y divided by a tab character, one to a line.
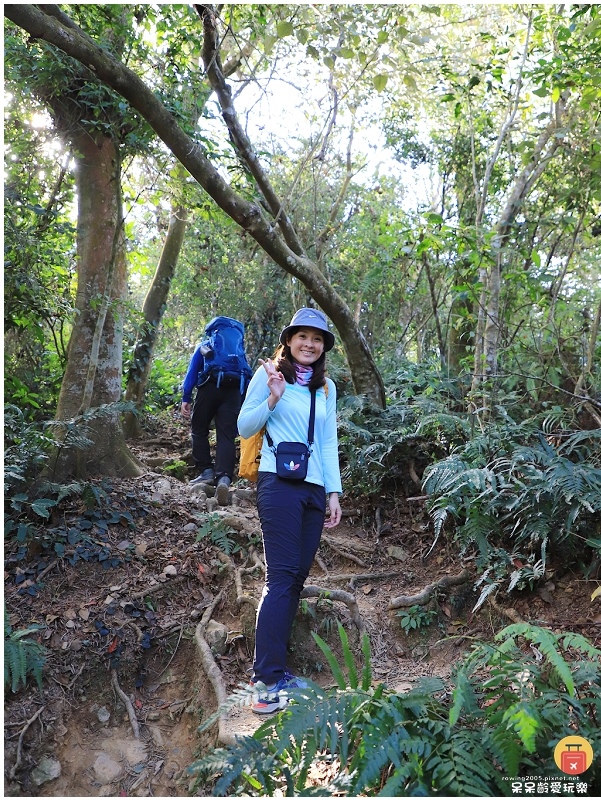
289	422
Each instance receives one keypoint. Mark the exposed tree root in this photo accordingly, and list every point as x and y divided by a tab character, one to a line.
352	578
510	613
339	595
421	598
127	703
212	671
343	553
29	722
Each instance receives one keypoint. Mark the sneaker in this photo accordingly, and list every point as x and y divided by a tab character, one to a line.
275	697
223	490
206	476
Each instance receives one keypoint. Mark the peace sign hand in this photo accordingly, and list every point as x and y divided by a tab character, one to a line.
276	383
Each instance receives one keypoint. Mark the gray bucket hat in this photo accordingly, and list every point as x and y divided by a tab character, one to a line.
310	318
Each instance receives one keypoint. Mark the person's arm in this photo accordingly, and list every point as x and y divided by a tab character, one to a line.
335	511
329	446
264	393
195	366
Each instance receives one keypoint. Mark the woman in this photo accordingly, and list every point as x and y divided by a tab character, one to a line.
292	513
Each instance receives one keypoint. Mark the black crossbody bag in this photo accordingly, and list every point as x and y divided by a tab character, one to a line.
292	458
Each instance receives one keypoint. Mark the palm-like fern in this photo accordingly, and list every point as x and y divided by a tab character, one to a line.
21	656
521	497
506	709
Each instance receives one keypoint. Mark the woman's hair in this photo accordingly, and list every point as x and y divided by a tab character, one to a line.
282	358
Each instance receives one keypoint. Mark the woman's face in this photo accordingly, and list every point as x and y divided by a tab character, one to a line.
306	346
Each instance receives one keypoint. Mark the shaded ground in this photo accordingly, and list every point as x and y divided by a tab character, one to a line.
121	597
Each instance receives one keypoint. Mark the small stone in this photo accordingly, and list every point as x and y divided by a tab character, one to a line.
107	770
191	526
398	553
216	635
48	769
103	714
170	570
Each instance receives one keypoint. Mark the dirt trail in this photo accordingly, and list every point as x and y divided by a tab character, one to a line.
122	607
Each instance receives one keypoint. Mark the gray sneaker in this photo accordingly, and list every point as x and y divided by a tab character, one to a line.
206	476
223	490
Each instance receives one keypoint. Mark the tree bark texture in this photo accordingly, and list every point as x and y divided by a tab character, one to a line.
153	309
95	346
366	378
486	356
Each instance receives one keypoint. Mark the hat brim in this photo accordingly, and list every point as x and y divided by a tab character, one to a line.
328	337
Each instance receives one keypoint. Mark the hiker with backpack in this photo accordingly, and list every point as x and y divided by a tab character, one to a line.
219	371
299	474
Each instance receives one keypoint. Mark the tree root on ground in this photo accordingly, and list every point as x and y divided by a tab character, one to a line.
127	703
423	597
212	671
343	553
342	597
29	722
510	613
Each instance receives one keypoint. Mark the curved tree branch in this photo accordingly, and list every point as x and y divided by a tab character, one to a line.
103	66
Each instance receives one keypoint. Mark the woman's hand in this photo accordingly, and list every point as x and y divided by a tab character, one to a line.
335	511
186	410
276	383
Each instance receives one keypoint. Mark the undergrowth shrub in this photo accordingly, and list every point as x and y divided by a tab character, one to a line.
517	494
380	448
507	707
22	656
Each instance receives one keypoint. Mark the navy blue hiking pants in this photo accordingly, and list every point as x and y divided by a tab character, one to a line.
292	514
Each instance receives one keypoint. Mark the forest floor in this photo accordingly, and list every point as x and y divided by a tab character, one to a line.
125	684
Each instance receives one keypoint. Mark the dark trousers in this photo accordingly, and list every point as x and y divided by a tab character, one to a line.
223	405
292	516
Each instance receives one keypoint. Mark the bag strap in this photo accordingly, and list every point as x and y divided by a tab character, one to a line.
311	433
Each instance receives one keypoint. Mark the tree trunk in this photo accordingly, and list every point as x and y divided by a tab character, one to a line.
153	310
71	40
95	347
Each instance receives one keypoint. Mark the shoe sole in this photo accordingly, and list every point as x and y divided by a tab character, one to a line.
269	708
223	495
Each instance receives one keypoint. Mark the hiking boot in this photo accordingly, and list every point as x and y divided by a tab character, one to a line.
223	490
273	698
206	476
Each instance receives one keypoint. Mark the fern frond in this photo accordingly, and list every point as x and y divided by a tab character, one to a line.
331	659
348	658
522	718
547	643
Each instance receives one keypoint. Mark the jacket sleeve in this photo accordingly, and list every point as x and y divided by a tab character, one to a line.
329	448
254	412
196	365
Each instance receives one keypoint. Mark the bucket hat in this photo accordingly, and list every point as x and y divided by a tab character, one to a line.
310	318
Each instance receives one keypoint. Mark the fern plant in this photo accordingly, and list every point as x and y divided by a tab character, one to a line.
21	656
521	496
506	708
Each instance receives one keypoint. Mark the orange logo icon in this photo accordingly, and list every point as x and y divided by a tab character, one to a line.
573	755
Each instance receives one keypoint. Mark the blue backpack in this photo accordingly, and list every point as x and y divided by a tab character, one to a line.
224	355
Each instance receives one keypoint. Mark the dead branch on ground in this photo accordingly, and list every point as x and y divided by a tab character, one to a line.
29	722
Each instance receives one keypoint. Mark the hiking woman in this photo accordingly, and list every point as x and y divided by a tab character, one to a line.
292	512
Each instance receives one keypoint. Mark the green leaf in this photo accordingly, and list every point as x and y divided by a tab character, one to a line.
41	506
284	29
555	94
380	82
302	34
268	43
